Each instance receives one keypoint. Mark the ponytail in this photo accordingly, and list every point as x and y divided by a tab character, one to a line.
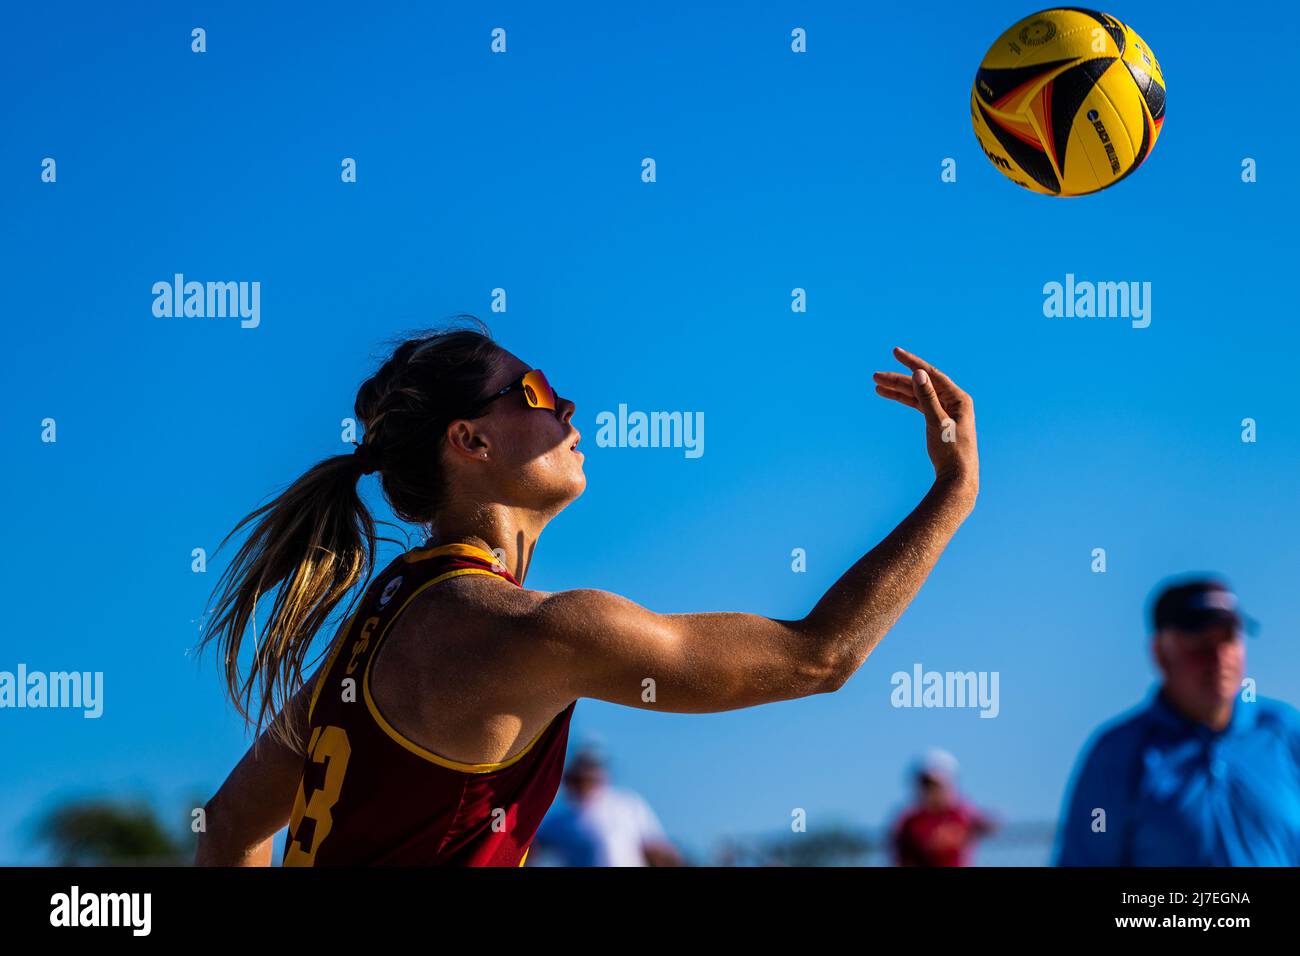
314	542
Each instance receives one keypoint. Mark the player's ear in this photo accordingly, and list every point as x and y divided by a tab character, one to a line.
466	440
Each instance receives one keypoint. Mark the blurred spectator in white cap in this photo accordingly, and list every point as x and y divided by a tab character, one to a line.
941	827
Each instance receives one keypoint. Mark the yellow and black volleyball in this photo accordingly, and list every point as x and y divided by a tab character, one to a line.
1068	101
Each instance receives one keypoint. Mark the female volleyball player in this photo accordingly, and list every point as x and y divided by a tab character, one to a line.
435	731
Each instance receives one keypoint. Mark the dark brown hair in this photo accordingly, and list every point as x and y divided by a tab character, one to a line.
316	540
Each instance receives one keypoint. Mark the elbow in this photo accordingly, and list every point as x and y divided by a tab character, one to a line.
840	663
822	665
827	673
837	675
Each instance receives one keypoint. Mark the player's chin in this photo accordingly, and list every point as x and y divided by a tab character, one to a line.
569	479
579	482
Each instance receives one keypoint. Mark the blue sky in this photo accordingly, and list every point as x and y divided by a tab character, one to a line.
522	171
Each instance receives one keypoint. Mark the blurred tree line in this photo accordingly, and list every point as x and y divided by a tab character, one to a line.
105	832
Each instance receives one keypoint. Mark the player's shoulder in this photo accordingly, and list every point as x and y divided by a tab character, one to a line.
574	599
540	619
473	607
538	625
575	613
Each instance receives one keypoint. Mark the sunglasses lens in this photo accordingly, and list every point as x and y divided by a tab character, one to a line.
538	390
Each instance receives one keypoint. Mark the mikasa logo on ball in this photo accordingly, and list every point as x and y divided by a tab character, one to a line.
1038	32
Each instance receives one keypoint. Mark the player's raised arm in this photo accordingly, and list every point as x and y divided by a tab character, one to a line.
607	647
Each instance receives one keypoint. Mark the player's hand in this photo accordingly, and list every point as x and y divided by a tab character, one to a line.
949	418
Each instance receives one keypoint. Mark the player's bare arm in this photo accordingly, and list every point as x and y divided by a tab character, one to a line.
255	801
604	646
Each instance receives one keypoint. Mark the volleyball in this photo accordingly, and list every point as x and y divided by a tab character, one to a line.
1068	102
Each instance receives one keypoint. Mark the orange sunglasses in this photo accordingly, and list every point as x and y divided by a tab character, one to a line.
537	392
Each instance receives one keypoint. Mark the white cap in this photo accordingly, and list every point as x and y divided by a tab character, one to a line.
938	764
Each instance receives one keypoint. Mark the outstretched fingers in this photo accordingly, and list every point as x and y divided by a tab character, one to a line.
915	391
915	362
903	398
927	398
927	389
949	419
895	380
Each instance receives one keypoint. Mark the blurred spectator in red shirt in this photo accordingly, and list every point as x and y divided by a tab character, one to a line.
940	828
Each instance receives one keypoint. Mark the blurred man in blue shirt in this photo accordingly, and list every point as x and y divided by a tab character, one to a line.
1202	774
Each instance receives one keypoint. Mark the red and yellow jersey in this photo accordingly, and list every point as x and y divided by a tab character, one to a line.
369	796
